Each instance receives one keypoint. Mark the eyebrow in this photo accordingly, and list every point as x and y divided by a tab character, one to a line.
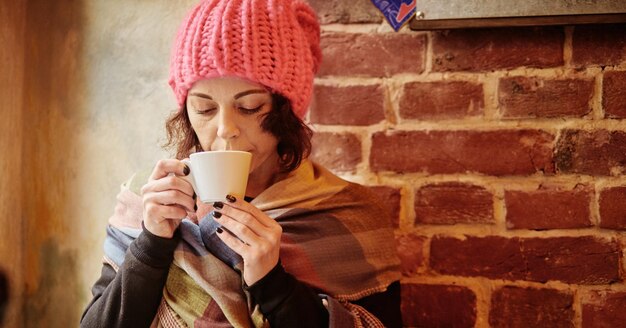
249	92
201	95
237	96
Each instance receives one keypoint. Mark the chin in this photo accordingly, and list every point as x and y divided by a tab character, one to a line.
262	164
253	167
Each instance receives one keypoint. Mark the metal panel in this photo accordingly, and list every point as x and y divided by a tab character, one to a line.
482	13
463	9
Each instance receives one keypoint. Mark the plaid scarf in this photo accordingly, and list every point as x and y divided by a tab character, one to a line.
336	239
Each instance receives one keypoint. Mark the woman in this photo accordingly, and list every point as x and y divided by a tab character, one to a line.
303	249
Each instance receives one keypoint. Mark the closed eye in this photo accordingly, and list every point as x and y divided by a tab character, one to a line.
250	111
206	111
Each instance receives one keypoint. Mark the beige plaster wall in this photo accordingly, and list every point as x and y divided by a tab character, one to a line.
125	100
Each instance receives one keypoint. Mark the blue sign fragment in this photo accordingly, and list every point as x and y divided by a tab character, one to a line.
397	12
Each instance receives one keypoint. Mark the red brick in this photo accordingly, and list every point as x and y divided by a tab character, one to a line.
377	55
599	44
492	257
493	49
501	152
438	306
354	105
574	260
524	97
441	100
598	152
450	203
613	208
513	307
337	11
604	309
614	94
337	152
390	198
548	209
411	253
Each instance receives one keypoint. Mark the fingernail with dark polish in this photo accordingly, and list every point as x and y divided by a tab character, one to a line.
217	215
195	207
218	205
231	198
194	196
219	230
186	170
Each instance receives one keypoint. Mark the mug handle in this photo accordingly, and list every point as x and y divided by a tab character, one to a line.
189	177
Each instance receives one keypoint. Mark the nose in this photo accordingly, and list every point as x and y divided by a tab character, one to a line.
228	127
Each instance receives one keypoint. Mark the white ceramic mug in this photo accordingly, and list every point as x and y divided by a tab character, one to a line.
215	174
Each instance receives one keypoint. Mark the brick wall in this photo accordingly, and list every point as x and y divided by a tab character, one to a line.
499	153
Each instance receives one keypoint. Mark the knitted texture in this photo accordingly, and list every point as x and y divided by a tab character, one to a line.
271	42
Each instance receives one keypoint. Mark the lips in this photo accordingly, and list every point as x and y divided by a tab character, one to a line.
234	149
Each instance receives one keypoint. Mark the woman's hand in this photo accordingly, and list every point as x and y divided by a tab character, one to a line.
167	198
259	236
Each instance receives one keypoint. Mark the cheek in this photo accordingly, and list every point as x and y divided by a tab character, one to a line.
266	144
265	151
204	131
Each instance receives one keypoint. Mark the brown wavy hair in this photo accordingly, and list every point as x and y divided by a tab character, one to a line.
294	136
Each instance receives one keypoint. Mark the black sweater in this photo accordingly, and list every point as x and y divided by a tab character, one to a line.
131	297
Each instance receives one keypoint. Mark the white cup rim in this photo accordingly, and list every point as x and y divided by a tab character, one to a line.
218	151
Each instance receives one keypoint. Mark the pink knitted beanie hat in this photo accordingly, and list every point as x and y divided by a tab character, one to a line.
271	42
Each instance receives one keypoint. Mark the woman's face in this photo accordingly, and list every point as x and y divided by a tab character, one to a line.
226	113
